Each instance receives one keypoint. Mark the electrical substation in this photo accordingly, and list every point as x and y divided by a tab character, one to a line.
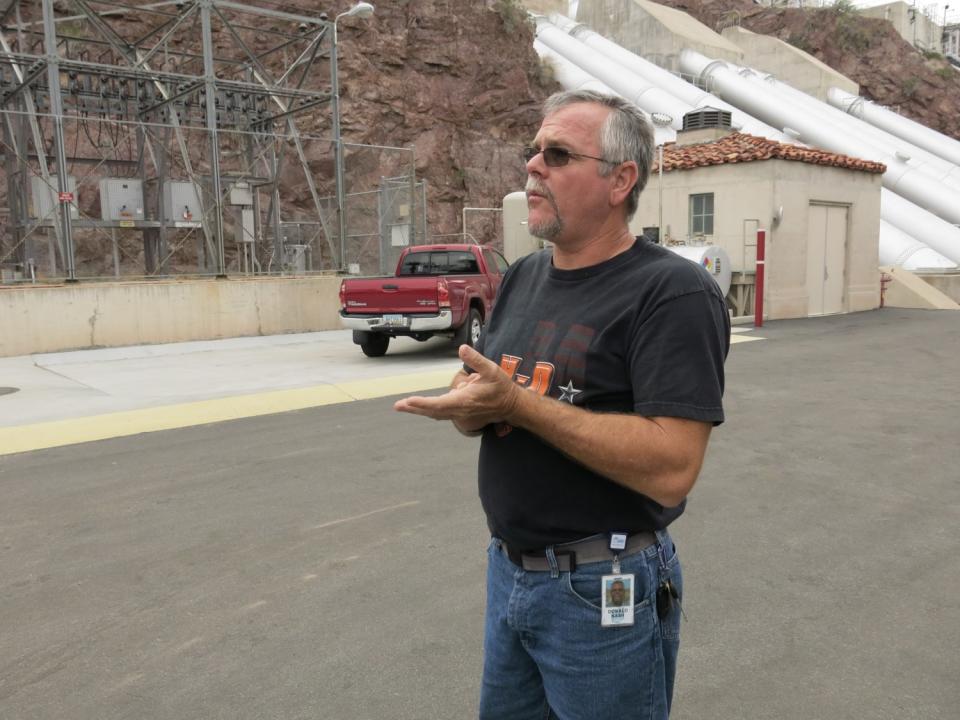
156	140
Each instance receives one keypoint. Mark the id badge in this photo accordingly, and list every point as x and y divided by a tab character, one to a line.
617	600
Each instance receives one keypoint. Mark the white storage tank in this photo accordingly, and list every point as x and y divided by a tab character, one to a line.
517	240
712	257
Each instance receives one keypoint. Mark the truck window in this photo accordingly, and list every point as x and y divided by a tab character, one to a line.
424	263
491	261
495	261
463	263
443	262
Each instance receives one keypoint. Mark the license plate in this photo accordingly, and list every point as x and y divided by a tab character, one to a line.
395	320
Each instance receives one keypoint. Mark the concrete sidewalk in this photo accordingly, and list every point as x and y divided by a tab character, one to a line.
68	398
83	383
56	399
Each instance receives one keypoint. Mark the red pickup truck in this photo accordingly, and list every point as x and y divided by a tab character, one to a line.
437	290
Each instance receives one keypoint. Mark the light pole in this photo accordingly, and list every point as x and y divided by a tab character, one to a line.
363	10
943	31
661	120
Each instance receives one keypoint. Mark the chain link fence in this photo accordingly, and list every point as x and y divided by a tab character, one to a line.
142	203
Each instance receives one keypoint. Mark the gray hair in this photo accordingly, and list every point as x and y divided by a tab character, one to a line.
626	135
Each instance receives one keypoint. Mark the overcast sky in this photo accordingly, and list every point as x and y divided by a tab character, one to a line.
953	12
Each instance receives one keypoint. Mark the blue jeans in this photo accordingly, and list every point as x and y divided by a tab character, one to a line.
546	655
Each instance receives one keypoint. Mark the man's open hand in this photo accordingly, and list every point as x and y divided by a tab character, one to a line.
486	396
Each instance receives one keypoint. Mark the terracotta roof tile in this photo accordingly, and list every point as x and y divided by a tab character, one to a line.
739	147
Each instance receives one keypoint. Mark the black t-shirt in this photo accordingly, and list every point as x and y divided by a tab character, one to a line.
645	332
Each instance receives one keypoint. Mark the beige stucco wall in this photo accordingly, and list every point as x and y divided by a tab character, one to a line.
654	32
788	64
748	195
742	193
921	33
795	190
49	319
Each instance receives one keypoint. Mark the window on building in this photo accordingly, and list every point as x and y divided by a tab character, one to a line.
701	214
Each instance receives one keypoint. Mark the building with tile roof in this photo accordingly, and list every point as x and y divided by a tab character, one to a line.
820	210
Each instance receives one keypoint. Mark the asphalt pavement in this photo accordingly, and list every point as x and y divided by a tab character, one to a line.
328	561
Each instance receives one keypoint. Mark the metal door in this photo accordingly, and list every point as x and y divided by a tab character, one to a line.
826	258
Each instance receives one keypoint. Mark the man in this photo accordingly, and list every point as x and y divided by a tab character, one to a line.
595	388
618	593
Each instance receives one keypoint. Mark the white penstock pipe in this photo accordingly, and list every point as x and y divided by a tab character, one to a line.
687	93
930	140
899	177
899	248
916	157
926	227
572	77
640	92
569	75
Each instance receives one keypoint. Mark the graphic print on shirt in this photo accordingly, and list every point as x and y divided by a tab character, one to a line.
542	374
569	362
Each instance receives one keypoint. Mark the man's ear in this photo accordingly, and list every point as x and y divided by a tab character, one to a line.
624	178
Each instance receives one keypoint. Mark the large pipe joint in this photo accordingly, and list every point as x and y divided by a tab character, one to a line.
697	65
851	104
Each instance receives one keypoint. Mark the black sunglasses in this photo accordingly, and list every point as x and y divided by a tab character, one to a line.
558	156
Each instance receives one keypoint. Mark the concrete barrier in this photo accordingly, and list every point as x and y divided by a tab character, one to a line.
37	319
947	283
905	289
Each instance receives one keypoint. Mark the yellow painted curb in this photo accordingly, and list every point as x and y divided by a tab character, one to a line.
168	417
58	433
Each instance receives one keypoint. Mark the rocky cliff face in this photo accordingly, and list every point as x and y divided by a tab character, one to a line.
867	50
460	81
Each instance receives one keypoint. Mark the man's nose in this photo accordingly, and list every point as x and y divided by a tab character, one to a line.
536	165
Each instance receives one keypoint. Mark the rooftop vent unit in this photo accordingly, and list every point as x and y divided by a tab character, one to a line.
707	118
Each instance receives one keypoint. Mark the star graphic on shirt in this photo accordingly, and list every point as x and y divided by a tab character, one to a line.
569	392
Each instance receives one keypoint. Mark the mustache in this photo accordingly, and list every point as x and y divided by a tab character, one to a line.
535	186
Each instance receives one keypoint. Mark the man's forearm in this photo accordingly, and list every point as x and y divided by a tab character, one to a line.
659	457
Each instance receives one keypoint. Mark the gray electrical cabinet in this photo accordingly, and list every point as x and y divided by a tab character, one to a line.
181	202
121	199
241	194
44	198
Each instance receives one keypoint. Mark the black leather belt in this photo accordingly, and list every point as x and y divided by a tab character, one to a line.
581	552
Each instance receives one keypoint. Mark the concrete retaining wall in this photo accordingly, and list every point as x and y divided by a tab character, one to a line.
654	32
788	64
947	283
905	289
50	319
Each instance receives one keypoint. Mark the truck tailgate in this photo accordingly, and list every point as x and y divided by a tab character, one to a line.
376	296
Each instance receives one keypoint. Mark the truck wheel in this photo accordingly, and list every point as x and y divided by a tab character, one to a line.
469	332
375	345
